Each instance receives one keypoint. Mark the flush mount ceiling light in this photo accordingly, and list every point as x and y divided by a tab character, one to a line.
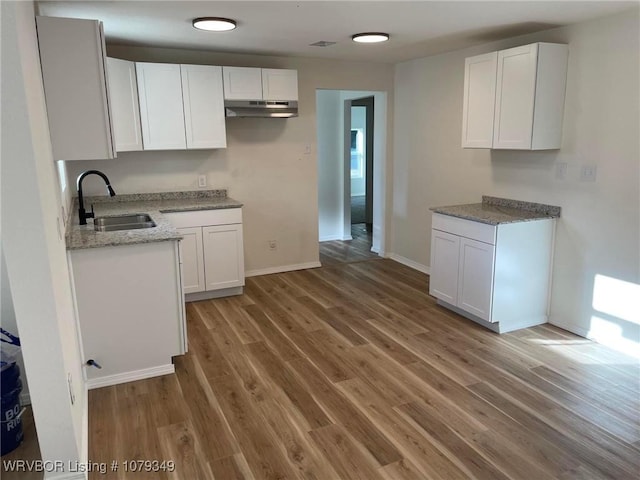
214	24
370	37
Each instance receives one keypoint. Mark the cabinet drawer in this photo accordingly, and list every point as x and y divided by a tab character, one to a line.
482	232
203	218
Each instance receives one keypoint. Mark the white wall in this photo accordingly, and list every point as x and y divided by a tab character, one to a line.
358	120
599	232
264	165
330	152
34	246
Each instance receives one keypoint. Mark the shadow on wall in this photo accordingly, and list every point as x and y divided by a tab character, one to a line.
256	130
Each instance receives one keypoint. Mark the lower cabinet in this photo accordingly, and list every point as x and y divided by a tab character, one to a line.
496	275
212	252
130	310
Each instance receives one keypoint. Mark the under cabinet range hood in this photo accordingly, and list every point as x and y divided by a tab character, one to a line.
261	108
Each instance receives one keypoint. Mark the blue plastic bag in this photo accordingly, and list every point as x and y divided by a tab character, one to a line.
9	349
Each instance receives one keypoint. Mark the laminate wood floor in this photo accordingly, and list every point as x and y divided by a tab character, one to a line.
338	252
353	372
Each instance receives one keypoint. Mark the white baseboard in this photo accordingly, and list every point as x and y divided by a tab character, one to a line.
282	269
130	376
627	347
330	238
409	263
225	292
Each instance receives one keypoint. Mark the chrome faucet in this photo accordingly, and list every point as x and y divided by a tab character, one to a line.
83	215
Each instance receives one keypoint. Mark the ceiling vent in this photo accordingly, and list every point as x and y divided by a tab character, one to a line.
322	43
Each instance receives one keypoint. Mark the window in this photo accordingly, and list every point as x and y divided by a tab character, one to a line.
357	153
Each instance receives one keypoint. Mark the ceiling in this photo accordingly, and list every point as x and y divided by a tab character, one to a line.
287	28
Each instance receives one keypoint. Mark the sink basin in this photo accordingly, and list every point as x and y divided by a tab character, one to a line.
123	222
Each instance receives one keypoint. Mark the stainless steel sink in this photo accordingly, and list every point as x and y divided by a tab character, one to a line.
123	222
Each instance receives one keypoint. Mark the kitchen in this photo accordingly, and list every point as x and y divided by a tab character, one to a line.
423	150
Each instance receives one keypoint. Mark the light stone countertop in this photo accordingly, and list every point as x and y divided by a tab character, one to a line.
85	236
494	211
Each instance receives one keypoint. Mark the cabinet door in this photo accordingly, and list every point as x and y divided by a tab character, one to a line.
242	83
443	280
515	96
475	277
203	100
123	92
72	55
479	100
279	84
223	256
192	259
161	112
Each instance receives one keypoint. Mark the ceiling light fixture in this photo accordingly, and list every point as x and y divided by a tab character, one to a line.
214	24
370	37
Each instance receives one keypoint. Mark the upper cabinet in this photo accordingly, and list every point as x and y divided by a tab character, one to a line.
161	111
247	83
203	106
279	84
479	100
527	85
242	83
123	92
181	106
72	55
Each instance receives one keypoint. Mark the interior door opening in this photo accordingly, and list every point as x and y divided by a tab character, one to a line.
352	168
361	169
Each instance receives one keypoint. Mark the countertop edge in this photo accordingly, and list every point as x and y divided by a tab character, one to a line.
83	238
489	221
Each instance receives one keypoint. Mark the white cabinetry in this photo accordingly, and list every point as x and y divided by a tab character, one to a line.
212	252
248	83
72	55
203	106
279	84
242	83
123	92
181	106
192	259
161	110
496	275
130	310
514	99
479	100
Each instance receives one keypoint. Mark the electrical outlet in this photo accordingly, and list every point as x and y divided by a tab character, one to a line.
202	181
307	149
561	170
588	173
273	245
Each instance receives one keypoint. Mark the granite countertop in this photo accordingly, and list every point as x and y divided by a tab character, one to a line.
153	204
494	211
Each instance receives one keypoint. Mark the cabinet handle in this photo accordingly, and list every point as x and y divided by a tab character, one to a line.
92	363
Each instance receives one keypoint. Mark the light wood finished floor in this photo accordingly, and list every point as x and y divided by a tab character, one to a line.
338	252
353	372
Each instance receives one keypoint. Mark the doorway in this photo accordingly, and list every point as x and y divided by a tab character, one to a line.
333	113
361	170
